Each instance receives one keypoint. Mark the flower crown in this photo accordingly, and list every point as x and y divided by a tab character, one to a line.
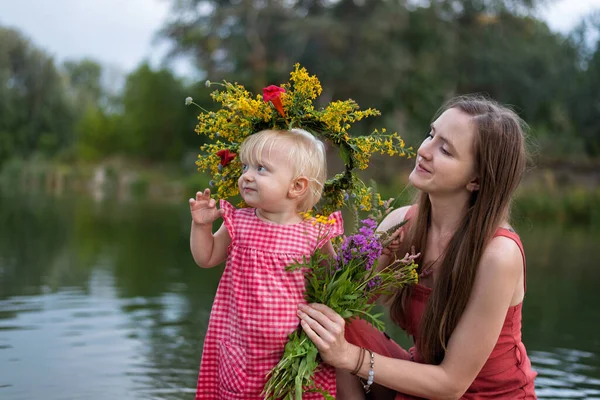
285	107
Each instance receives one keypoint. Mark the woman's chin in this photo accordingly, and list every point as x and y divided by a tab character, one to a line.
414	180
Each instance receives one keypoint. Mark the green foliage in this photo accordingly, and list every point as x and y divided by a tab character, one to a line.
98	134
398	57
405	60
85	83
573	206
154	117
35	112
65	110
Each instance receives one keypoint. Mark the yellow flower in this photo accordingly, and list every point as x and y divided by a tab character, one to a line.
242	114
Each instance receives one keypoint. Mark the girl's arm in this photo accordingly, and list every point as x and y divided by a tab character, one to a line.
393	218
328	249
468	349
207	249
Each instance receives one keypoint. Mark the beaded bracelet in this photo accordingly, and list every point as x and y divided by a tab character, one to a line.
367	385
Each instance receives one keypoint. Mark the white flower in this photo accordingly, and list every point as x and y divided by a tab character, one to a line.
188	101
207	83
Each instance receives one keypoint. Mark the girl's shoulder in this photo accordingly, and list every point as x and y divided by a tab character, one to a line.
402	212
396	216
230	210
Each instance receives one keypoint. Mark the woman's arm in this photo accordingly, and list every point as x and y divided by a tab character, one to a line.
468	349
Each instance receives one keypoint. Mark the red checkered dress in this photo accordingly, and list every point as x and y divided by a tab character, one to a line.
255	307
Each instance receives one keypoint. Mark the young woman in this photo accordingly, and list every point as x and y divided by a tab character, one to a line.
465	313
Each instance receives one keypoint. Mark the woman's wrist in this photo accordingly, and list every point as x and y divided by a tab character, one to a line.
352	359
365	369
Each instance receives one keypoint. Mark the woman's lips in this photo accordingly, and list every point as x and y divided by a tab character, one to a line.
420	168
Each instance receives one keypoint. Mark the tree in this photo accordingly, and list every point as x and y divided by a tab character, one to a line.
584	103
84	82
155	118
35	114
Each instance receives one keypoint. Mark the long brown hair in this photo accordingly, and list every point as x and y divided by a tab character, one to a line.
500	159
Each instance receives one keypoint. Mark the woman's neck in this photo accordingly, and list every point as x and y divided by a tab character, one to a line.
446	215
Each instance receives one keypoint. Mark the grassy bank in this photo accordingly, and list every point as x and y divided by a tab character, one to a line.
545	196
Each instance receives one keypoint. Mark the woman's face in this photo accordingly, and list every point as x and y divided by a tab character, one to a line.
445	163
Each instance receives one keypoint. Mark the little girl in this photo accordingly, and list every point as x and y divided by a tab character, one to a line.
255	307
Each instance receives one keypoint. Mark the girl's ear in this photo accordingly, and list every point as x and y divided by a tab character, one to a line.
298	187
473	186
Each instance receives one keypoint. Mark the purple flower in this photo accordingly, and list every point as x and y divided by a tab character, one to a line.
373	283
363	245
369	223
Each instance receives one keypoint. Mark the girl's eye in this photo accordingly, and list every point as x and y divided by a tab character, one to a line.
445	152
244	167
429	136
261	168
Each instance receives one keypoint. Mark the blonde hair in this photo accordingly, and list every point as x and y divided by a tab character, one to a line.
305	153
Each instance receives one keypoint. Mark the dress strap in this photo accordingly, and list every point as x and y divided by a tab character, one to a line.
515	237
411	211
499	232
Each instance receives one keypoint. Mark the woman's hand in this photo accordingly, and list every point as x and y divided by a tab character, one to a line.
326	330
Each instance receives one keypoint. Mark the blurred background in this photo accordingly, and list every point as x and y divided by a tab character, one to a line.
99	296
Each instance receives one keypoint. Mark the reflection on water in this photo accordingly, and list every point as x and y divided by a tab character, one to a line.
104	301
567	374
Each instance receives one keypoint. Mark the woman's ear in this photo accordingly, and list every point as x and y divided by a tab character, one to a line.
473	186
298	187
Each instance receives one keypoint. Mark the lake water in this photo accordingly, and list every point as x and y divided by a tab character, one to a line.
103	301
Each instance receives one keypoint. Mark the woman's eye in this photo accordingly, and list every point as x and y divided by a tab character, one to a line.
428	136
445	152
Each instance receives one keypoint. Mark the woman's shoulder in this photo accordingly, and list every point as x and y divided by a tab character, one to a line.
502	255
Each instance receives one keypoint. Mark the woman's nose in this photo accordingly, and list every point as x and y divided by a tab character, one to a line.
424	151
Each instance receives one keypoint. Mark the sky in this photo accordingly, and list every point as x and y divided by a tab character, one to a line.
122	33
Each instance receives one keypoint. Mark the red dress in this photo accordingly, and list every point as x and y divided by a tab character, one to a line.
507	374
255	306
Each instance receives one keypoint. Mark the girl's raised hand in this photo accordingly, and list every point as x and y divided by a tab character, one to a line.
204	209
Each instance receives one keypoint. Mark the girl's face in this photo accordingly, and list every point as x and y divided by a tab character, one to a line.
445	163
266	185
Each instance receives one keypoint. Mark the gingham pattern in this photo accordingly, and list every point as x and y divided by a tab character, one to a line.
255	307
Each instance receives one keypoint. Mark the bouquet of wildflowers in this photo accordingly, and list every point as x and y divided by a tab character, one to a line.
348	284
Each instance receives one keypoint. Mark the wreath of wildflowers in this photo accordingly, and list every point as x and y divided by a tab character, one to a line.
285	107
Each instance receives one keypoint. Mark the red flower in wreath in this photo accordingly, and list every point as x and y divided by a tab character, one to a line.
226	156
273	94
